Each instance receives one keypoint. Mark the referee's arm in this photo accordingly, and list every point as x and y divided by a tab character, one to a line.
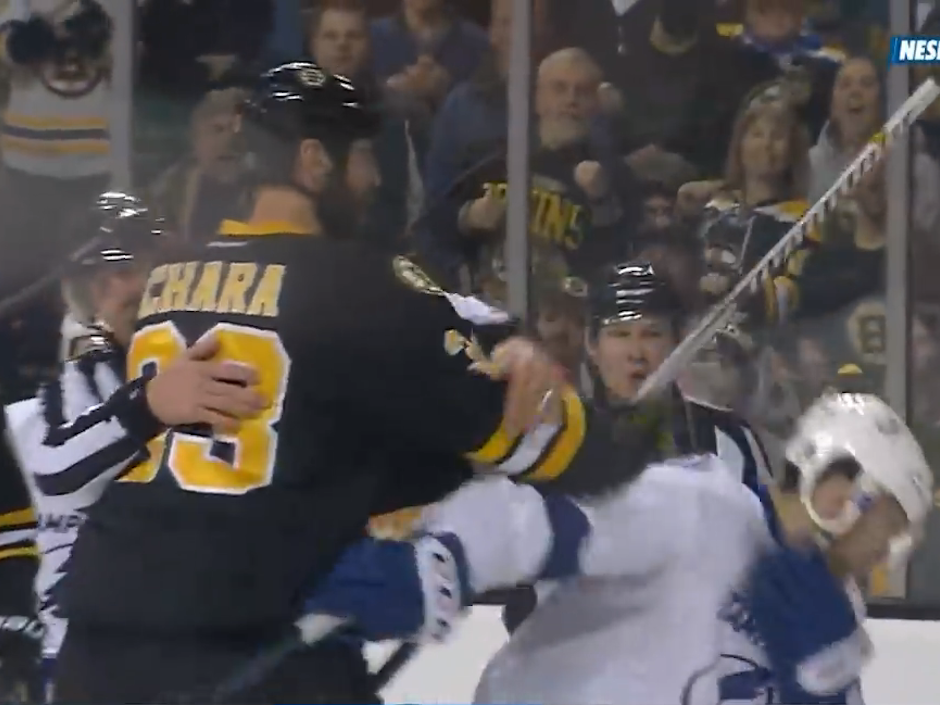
65	452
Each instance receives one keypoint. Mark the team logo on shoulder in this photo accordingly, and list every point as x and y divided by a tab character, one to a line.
414	277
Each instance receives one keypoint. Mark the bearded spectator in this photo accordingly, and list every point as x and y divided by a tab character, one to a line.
581	194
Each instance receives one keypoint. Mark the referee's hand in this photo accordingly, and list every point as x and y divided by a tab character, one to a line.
195	389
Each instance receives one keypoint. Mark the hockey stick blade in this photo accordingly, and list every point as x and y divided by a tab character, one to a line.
721	314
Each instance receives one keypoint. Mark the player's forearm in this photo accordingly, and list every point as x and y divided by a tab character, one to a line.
526	536
64	454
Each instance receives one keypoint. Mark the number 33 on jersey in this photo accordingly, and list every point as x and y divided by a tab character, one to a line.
198	461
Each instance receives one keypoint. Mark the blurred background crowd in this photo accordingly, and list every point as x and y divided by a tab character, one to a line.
698	129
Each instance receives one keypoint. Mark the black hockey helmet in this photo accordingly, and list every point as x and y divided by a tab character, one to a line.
299	100
629	291
117	228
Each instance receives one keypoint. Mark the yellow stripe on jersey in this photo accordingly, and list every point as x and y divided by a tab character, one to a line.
495	449
565	445
47	148
20	552
542	454
18	517
238	228
786	211
879	584
729	29
55	122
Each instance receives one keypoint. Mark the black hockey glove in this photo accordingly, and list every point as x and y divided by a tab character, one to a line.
30	42
88	32
21	660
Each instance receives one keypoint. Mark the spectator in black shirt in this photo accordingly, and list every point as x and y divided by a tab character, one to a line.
581	196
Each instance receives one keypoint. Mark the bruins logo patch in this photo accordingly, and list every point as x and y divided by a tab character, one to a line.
414	277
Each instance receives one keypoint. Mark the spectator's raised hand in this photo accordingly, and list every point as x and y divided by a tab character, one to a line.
427	78
485	213
591	178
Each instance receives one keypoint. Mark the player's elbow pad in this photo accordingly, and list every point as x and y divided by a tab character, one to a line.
512	534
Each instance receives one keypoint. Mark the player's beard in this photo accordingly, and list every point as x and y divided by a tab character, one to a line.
339	211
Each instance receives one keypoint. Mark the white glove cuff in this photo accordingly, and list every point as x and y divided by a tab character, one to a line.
439	574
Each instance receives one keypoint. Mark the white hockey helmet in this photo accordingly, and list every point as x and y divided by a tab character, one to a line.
862	428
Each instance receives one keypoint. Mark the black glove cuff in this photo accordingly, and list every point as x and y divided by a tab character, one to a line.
133	411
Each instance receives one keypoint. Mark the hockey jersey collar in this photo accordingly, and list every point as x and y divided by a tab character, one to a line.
238	228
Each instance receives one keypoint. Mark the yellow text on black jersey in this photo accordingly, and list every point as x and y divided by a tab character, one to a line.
246	288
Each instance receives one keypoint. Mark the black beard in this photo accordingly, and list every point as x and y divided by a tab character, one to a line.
338	209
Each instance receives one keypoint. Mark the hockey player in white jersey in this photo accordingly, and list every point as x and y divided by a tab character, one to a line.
655	559
659	560
862	492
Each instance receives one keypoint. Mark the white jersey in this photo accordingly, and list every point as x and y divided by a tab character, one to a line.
70	448
639	625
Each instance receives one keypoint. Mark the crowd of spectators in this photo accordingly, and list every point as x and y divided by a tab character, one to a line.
708	125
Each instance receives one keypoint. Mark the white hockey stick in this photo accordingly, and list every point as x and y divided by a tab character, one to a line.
721	314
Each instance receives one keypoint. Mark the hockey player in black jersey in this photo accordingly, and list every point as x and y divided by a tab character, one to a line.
377	383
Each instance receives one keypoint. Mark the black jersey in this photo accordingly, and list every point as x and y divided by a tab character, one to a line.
19	558
378	397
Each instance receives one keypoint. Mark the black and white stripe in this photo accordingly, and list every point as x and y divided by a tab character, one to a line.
71	436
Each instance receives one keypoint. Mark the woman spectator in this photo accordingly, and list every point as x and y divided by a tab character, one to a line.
761	196
855	114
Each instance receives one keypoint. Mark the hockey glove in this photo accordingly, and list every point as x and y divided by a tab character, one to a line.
803	614
397	589
21	660
30	42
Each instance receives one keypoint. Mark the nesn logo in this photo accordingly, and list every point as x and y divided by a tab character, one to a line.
913	50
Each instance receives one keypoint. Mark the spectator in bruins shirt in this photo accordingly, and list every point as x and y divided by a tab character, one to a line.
579	198
837	290
761	196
